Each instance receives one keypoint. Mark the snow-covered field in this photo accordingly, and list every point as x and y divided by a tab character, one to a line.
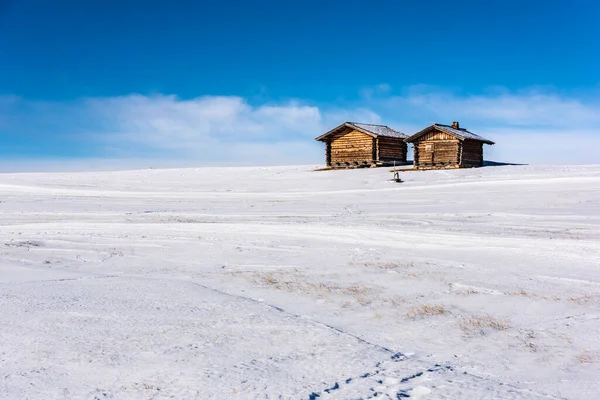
282	282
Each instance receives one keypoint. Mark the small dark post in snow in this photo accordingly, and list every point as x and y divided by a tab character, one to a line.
396	177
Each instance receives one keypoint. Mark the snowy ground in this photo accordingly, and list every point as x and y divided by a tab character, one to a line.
274	283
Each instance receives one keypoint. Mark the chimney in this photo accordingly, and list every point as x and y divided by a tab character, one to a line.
455	125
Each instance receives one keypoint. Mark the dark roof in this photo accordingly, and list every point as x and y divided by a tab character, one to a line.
369	129
460	133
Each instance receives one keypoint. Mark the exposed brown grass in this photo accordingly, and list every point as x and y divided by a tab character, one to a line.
519	292
460	291
551	298
364	300
586	299
587	357
395	301
357	290
426	310
269	279
387	265
482	324
363	295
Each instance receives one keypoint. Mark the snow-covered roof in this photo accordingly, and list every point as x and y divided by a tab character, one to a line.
380	130
369	129
460	133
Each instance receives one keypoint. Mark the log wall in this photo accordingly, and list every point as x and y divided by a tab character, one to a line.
350	149
472	154
437	150
391	149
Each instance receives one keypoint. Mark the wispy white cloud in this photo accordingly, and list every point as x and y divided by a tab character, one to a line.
533	107
531	126
168	123
206	130
216	128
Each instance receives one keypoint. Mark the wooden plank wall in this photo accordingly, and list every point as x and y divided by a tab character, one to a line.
437	149
391	149
351	148
472	154
436	135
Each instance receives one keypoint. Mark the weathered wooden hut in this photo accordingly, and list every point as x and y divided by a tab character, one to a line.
447	146
354	144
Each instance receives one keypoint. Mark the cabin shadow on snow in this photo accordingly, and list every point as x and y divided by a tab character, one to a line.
487	163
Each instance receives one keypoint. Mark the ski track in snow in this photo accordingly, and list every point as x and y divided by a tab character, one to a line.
287	283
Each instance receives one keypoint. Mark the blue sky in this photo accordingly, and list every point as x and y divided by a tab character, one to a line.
166	83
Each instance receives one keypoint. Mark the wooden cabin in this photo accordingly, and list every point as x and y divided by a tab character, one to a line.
447	146
354	144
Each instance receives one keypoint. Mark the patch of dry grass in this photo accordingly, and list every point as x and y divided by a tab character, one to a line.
587	357
586	299
426	310
269	279
551	298
519	292
461	291
357	290
363	295
482	324
387	265
528	338
395	301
